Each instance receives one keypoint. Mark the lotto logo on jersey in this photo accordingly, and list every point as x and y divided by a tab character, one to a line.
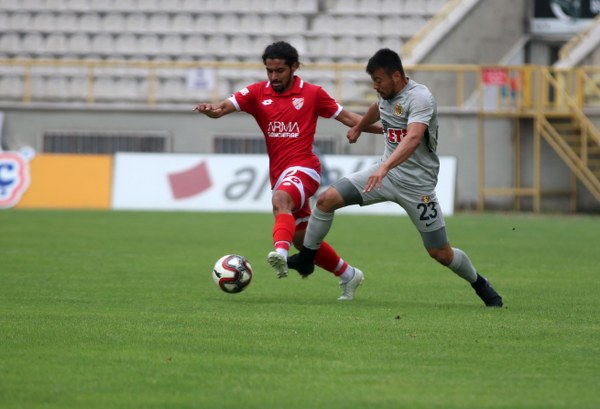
14	178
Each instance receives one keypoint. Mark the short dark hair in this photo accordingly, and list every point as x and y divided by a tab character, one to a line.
283	51
387	59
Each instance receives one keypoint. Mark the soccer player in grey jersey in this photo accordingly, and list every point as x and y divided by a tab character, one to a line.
406	174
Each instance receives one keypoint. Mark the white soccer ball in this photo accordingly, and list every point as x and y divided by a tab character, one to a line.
232	273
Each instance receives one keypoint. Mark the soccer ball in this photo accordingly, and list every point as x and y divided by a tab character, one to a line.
232	273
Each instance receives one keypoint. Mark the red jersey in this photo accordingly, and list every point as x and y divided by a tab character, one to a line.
288	121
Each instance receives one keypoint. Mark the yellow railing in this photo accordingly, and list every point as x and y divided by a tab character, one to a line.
501	89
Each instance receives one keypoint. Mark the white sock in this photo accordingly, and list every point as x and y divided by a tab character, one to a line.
347	274
282	251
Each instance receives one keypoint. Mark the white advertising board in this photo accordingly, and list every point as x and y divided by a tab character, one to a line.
198	182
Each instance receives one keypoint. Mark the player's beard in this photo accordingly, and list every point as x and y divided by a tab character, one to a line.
281	86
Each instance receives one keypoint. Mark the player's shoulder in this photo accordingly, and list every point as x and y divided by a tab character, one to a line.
416	88
256	88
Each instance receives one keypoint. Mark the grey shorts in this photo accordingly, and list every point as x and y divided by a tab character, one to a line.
423	209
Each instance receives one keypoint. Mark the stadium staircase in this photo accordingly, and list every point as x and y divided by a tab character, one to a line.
572	135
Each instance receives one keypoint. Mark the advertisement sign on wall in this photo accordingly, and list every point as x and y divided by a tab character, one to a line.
563	16
231	182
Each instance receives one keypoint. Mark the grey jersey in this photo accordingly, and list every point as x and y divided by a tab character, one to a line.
419	173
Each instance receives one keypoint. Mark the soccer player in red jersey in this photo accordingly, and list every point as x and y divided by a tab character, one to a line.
286	109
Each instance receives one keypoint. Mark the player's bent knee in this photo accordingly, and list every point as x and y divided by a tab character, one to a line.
441	255
329	200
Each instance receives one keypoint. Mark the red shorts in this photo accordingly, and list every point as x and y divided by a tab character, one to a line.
301	187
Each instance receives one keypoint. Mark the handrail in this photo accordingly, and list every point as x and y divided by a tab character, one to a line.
519	93
568	47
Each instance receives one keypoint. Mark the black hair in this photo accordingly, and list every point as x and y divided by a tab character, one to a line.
283	51
388	60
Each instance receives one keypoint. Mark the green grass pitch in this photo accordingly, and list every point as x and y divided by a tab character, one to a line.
118	310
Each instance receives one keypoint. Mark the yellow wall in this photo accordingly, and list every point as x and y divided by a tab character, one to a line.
69	181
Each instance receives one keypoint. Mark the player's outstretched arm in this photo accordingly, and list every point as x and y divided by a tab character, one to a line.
366	123
351	119
215	110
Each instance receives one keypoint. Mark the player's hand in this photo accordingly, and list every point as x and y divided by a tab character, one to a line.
375	180
353	134
211	110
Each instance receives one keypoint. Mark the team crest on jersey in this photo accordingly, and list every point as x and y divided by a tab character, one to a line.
398	111
298	102
14	178
425	199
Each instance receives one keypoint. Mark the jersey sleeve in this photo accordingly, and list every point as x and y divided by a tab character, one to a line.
327	107
245	99
421	109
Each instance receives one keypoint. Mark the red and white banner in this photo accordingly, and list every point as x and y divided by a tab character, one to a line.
231	182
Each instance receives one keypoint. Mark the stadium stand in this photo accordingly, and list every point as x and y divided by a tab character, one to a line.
193	30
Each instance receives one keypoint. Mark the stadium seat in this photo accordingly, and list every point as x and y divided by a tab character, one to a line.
112	22
11	87
102	5
135	22
321	46
324	24
56	87
368	25
366	7
228	23
56	5
345	6
20	21
206	23
125	44
10	4
392	42
171	45
241	45
102	43
307	6
43	22
77	88
67	22
89	22
10	43
105	88
171	5
33	43
216	5
347	24
132	5
76	5
148	44
392	7
193	6
194	45
182	23
346	47
250	23
34	5
217	45
56	43
367	46
295	24
159	23
131	89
